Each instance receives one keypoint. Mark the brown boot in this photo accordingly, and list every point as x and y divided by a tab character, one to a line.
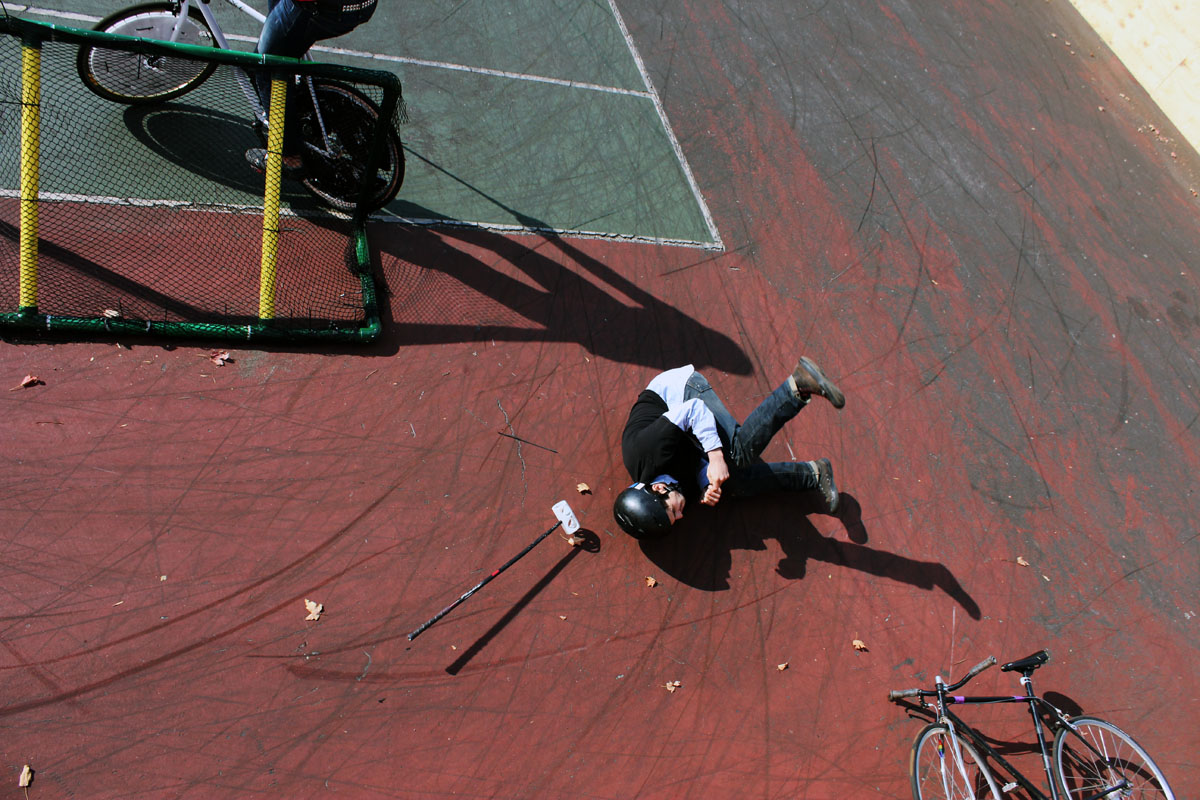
808	379
826	485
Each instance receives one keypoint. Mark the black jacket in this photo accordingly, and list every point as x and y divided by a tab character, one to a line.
652	445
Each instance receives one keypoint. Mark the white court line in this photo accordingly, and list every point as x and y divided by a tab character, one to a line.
662	115
418	62
383	216
648	94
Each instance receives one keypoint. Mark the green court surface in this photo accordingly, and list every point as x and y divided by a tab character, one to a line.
521	116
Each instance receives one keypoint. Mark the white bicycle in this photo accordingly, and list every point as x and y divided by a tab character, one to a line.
337	123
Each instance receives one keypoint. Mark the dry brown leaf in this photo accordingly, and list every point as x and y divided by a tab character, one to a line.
1021	560
574	540
26	777
27	381
860	645
220	358
782	666
651	582
671	686
314	610
583	488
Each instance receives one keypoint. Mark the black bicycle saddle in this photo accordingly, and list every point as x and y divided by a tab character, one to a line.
1027	664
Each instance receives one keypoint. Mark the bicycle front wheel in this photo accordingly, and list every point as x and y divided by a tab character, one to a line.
125	76
337	135
1097	756
945	767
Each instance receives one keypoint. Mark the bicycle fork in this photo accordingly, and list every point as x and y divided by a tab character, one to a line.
959	765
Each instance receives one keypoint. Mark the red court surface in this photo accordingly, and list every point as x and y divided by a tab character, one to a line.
968	213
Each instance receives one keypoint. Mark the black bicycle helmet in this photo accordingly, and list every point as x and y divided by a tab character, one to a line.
641	513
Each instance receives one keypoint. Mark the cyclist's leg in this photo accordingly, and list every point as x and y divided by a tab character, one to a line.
285	33
767	478
745	441
290	30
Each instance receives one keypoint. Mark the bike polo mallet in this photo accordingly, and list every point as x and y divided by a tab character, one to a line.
566	518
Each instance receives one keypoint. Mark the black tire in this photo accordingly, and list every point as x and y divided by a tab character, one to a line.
935	773
1084	772
335	174
124	76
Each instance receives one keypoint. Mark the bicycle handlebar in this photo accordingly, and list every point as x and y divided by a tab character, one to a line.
897	694
975	670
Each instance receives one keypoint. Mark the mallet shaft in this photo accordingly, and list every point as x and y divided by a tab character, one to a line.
481	584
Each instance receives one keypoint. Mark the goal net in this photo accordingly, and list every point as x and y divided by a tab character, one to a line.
120	218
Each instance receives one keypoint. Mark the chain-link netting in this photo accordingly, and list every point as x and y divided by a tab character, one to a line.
147	214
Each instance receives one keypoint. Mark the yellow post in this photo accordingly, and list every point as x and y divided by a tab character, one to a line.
270	236
31	81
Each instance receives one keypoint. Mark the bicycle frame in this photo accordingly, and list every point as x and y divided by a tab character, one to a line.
243	79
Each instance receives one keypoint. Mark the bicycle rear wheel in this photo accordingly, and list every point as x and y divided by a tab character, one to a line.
124	76
938	773
1098	755
335	156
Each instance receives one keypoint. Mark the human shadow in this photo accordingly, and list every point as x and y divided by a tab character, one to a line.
564	294
700	553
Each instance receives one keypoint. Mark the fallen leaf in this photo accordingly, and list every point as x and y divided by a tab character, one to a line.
651	582
26	776
860	645
1021	560
314	610
220	358
583	488
560	616
782	666
574	540
27	381
671	686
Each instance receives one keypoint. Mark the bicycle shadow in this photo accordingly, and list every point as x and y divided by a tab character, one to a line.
700	553
210	144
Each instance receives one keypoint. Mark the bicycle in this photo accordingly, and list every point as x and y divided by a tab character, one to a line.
337	123
1092	759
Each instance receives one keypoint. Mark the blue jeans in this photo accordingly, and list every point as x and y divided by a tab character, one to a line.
290	30
748	474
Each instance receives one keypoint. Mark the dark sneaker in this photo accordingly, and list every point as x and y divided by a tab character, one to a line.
256	157
808	379
826	485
